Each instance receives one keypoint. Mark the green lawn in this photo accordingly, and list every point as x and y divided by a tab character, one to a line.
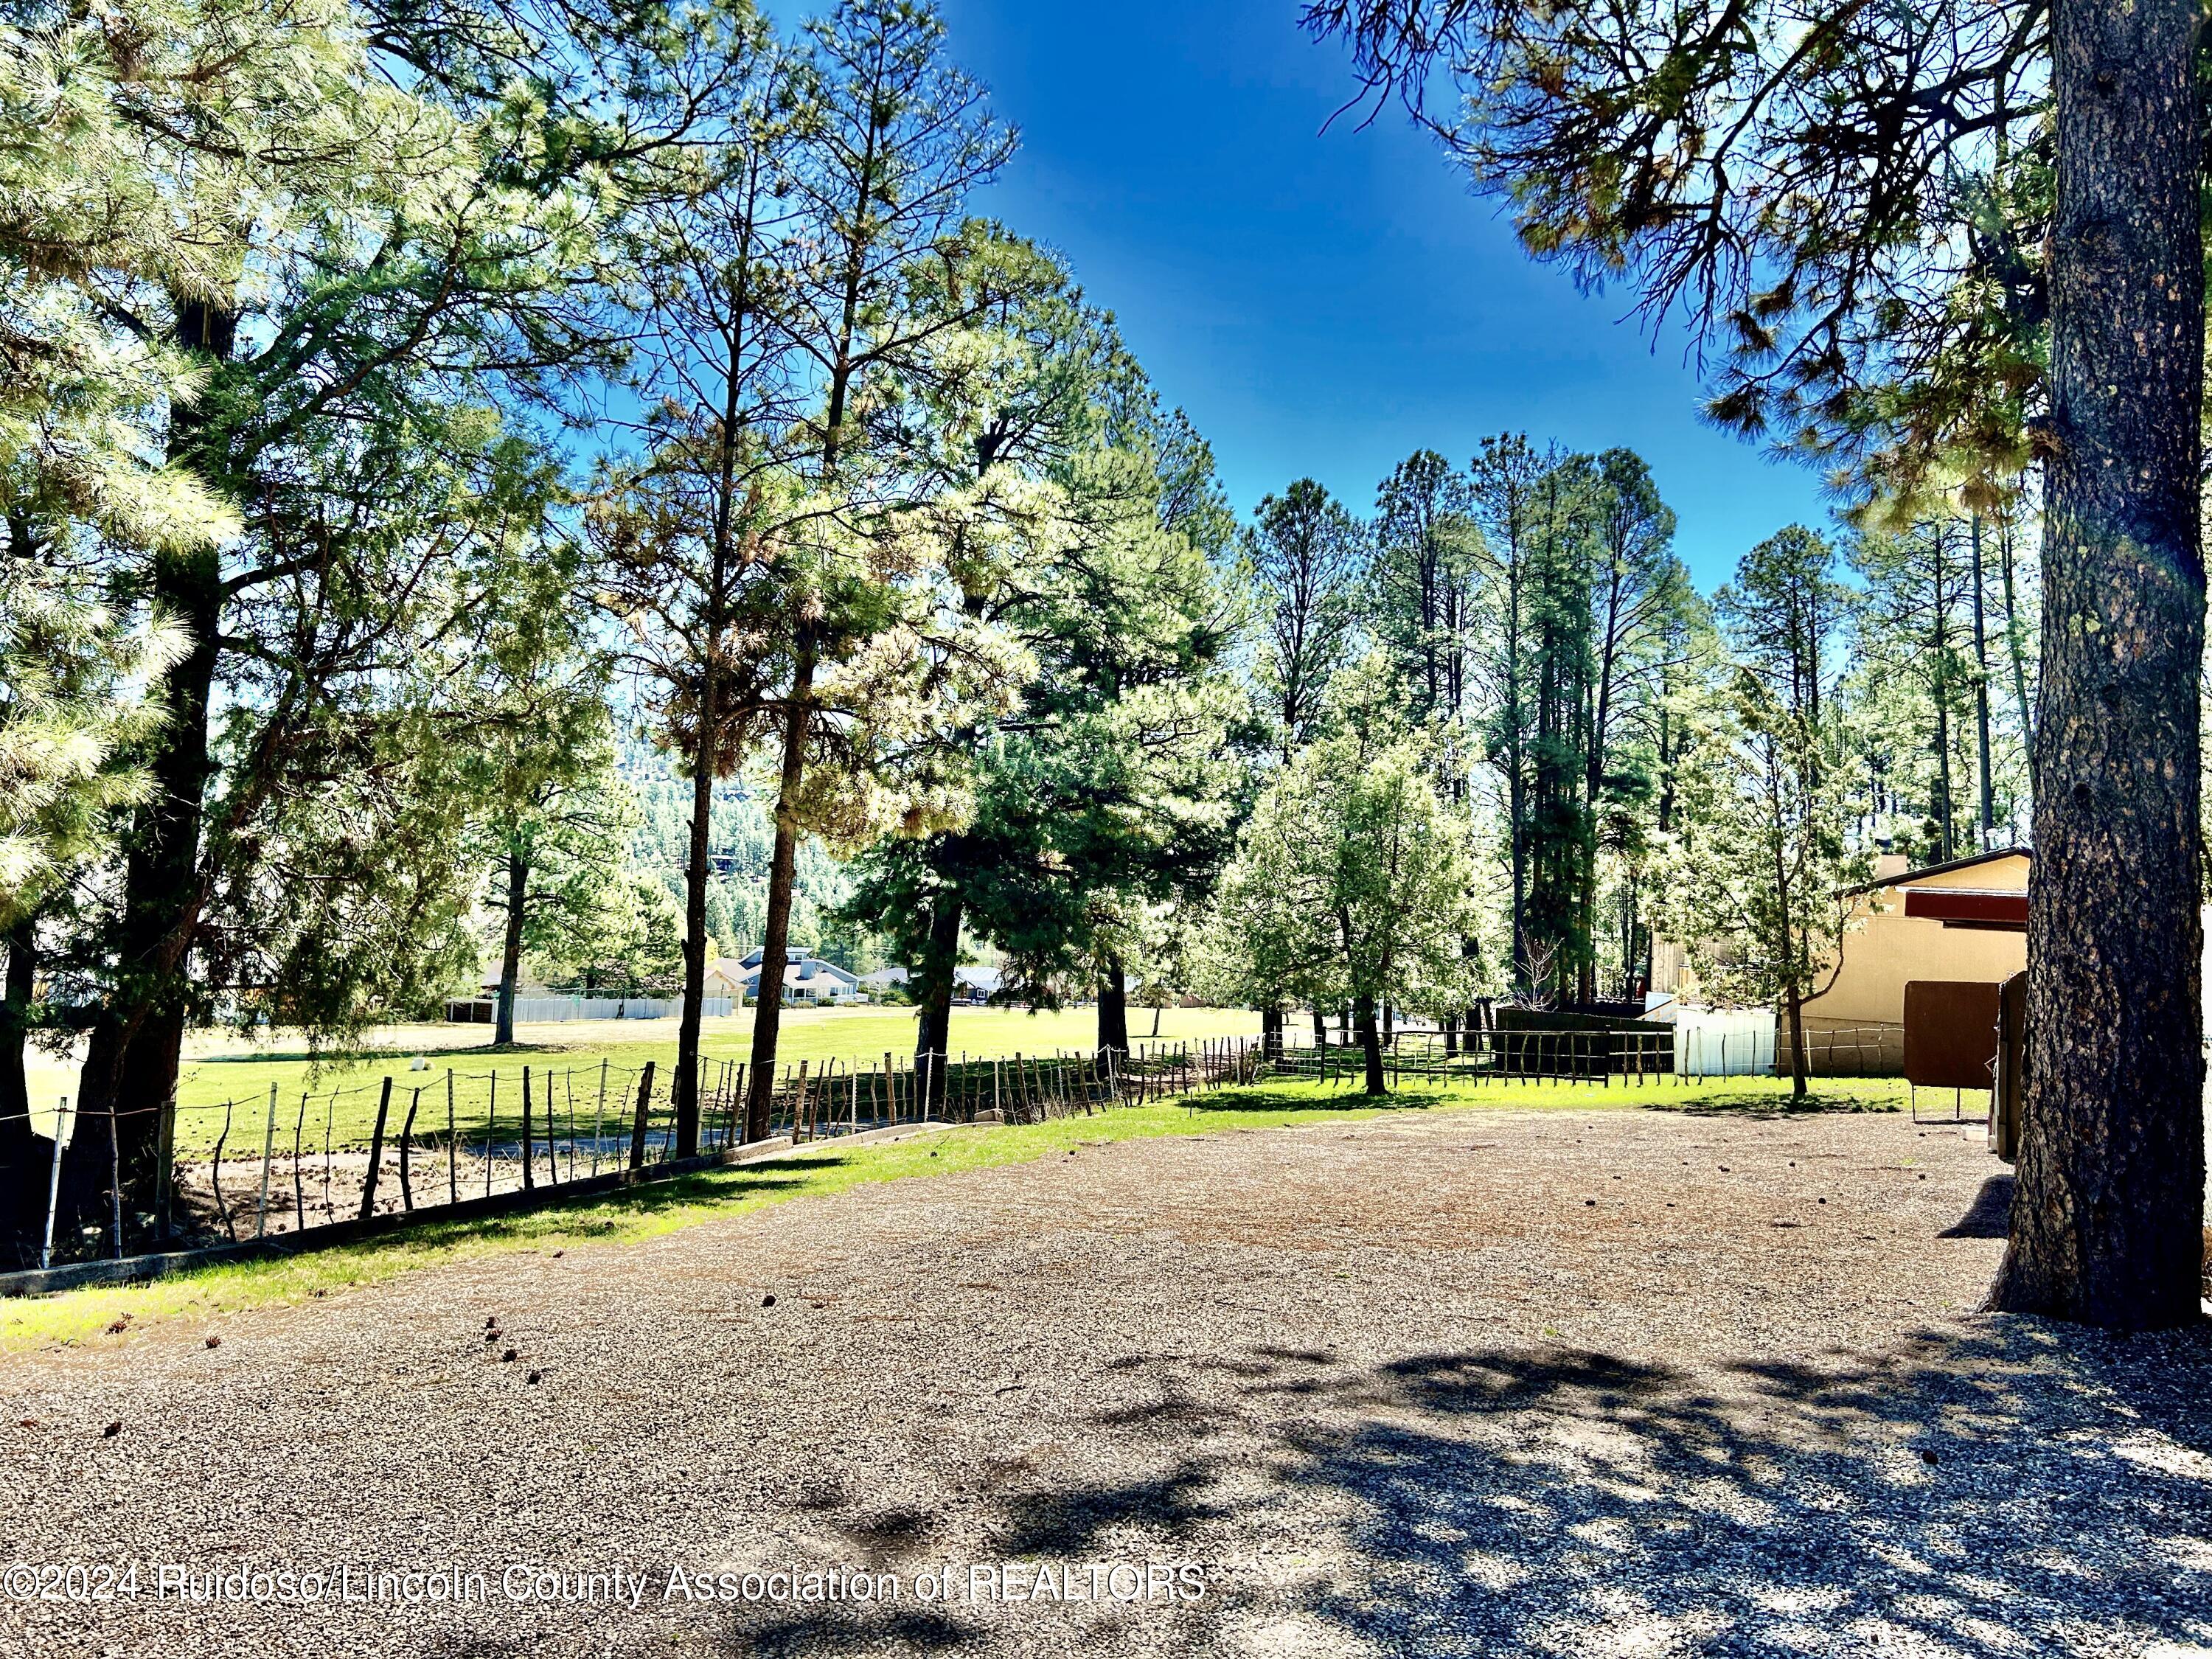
338	1093
79	1316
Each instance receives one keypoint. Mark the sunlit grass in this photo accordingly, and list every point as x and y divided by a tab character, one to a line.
646	1213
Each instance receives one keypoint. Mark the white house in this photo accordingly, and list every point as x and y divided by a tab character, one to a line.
805	979
969	985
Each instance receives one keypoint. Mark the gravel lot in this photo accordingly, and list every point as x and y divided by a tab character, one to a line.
1478	1382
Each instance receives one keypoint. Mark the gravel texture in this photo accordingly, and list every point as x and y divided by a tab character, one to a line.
1475	1381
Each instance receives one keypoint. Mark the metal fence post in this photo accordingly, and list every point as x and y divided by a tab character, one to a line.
54	1181
115	1172
268	1152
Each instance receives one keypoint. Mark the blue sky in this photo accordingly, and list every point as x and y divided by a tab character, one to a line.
1324	304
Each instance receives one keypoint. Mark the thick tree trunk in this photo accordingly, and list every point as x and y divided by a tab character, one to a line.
510	949
1370	1043
1982	697
1321	1026
684	1086
137	1040
2016	647
25	1158
1946	842
1271	1033
2107	1214
933	1029
782	872
1114	1007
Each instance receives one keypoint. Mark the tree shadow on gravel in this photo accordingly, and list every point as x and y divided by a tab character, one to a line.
1992	1491
1945	1493
1989	1216
2004	1489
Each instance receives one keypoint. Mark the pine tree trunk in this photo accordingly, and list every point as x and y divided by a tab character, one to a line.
1946	842
782	872
21	1164
2108	1209
1371	1042
1982	698
510	949
2016	649
1114	1007
933	1029
136	1046
684	1086
137	1040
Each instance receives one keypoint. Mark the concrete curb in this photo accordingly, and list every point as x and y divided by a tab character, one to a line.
141	1269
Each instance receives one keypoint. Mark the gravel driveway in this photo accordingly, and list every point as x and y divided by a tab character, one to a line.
1477	1381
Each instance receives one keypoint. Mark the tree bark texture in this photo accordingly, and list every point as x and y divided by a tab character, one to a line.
25	1158
683	1086
510	949
2107	1213
783	865
1114	1006
1370	1043
933	1029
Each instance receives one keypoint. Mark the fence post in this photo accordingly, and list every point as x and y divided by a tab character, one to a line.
600	1115
552	1143
268	1150
406	1129
164	1157
375	1152
299	1186
54	1181
529	1170
637	1127
115	1169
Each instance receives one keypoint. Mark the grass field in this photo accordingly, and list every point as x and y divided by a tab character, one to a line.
645	1213
340	1091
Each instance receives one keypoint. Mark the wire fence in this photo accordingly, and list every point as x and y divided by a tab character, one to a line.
290	1163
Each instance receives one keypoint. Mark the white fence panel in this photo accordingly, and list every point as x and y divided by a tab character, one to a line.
554	1010
1725	1043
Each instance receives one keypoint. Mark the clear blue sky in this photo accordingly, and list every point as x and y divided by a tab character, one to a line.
1324	304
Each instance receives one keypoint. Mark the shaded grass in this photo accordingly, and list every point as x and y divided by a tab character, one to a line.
77	1317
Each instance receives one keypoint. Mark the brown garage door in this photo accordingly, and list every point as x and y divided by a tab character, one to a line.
1950	1032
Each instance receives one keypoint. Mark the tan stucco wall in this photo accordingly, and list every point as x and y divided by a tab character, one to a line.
1890	948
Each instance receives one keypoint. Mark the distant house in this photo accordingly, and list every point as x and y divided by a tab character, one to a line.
970	985
1924	924
726	977
805	979
976	984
